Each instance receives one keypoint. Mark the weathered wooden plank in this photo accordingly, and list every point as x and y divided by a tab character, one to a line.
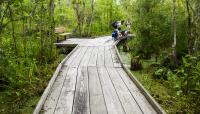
127	100
111	99
65	101
96	91
51	82
81	100
150	99
115	59
80	110
97	104
108	57
79	57
100	58
138	96
86	57
72	57
93	58
53	97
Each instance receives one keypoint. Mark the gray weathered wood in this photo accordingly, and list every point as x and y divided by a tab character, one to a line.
72	57
81	100
101	55
115	59
76	61
93	82
124	94
140	99
93	58
86	58
51	82
97	104
111	99
150	99
108	57
54	95
65	102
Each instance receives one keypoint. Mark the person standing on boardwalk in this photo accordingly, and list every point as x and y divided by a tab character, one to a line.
117	27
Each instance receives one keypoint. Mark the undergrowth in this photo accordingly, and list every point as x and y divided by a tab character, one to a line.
23	99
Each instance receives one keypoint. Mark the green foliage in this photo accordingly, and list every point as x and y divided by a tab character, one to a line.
187	77
77	14
161	73
153	27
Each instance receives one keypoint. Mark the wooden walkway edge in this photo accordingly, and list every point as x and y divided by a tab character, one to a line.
151	100
93	80
49	86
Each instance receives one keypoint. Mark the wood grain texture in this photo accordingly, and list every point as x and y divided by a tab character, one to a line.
108	57
140	99
112	101
86	58
54	95
93	57
81	100
92	80
101	55
116	61
65	102
97	104
76	61
72	57
124	94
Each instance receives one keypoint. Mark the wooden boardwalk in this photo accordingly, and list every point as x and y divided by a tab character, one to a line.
92	81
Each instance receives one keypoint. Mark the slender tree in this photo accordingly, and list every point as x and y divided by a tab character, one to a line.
174	32
90	20
13	29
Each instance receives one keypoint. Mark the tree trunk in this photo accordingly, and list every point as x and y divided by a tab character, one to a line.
174	33
13	30
90	21
52	24
190	41
83	16
41	34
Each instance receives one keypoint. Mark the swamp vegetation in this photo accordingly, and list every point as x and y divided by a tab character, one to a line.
164	54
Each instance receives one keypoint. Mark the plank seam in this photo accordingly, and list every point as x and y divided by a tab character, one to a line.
102	90
75	90
149	98
115	90
76	82
129	91
104	56
88	87
97	56
61	90
81	58
90	57
111	56
51	82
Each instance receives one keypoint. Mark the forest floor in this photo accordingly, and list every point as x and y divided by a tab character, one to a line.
160	89
26	104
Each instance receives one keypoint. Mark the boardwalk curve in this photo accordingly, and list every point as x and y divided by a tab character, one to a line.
92	80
